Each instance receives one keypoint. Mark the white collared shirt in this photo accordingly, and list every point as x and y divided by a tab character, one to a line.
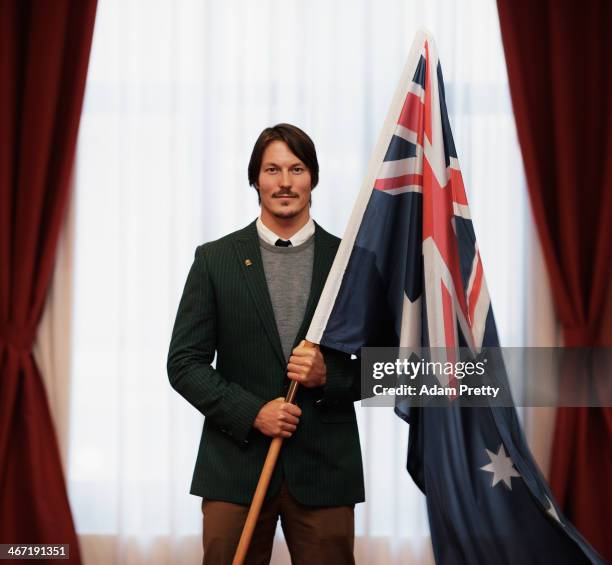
296	239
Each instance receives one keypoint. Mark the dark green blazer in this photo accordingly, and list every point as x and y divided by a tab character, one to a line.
226	309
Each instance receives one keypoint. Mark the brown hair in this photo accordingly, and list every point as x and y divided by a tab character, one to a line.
297	140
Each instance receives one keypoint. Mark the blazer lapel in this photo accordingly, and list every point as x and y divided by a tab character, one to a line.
324	253
249	255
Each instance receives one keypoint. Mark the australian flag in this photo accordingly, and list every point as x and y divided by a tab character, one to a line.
409	273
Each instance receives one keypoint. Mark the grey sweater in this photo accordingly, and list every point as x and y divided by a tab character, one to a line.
288	274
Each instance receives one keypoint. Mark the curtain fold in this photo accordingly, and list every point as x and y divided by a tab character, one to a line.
44	51
52	348
558	57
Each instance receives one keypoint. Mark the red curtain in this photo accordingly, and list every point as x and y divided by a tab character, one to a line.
559	56
44	51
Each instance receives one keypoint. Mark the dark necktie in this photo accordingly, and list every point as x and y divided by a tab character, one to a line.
283	243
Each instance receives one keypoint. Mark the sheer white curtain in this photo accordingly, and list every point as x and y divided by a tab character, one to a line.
177	94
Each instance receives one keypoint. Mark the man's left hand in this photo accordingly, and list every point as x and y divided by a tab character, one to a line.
306	366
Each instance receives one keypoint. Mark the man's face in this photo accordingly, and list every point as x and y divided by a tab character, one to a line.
284	182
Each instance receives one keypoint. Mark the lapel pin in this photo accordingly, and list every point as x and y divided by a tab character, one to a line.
248	262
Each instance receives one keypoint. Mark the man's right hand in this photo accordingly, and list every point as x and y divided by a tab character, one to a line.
277	418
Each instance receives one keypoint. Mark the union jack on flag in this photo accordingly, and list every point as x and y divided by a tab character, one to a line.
408	273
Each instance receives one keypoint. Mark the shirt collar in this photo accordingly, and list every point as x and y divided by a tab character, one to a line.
299	237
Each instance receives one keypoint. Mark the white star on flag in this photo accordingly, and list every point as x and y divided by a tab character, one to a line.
501	466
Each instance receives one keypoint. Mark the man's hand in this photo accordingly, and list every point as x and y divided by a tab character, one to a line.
277	418
306	366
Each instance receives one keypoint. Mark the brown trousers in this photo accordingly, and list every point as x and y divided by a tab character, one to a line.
315	534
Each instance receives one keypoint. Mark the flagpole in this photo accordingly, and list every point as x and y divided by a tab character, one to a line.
263	483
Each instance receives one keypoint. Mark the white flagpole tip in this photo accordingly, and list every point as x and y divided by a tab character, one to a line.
425	31
422	35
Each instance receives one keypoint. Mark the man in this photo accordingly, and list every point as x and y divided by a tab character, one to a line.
249	298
